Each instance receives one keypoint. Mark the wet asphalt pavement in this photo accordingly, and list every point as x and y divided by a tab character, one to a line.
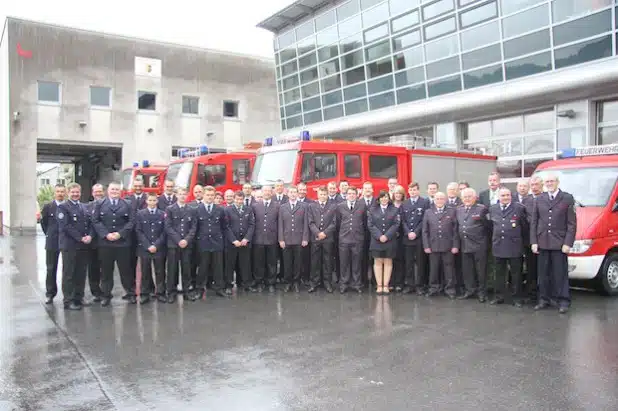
297	351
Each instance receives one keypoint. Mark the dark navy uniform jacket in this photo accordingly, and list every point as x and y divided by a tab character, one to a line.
554	223
412	219
150	230
473	228
90	208
74	223
137	203
284	198
509	228
383	223
322	219
180	224
352	223
240	223
109	219
293	224
440	229
456	202
266	223
211	228
163	202
49	225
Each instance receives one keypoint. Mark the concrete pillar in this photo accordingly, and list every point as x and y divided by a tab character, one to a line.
23	182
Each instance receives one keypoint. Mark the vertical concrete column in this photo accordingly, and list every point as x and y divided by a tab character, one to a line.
23	182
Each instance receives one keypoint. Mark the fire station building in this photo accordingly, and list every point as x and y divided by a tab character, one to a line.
521	79
104	101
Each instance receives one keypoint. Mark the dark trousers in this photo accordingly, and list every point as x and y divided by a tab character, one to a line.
474	267
554	277
292	261
74	266
336	265
412	261
148	285
349	265
178	263
122	257
502	278
398	278
195	266
366	262
306	265
442	262
51	260
321	262
238	259
422	276
459	276
94	272
210	262
532	279
265	263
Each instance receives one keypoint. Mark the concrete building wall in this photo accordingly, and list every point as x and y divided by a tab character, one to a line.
78	60
5	125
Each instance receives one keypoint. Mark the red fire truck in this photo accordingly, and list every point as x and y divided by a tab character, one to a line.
151	174
590	175
318	162
222	170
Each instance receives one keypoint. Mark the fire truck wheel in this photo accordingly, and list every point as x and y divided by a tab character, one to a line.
608	276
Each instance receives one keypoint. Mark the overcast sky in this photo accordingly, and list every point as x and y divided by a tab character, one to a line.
218	24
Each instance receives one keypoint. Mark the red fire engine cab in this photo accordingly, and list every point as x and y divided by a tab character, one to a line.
590	174
316	163
151	174
224	171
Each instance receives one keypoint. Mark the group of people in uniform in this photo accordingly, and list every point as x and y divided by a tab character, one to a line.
447	243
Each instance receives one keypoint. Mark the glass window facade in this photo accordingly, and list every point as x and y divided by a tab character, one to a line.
370	54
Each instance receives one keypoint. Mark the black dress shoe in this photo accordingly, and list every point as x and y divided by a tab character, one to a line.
342	290
496	301
259	288
296	288
407	290
73	306
49	300
482	299
171	299
105	302
144	299
432	294
541	306
96	299
228	291
451	296
271	289
563	310
132	299
221	293
518	304
312	289
420	293
359	290
398	289
126	297
328	288
465	296
85	303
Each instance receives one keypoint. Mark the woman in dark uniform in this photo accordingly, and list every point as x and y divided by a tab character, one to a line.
398	277
383	222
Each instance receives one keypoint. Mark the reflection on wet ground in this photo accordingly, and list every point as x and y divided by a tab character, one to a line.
297	352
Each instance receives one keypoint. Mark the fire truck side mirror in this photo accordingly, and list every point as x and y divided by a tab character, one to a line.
615	206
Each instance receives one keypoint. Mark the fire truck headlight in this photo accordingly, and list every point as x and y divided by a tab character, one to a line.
581	246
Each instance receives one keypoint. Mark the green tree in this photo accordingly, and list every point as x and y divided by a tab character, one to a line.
45	195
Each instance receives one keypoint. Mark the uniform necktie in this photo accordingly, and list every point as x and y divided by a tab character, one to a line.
114	202
152	212
503	208
368	203
267	203
209	208
247	202
551	197
351	207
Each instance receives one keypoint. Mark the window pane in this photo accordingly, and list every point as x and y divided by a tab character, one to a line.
287	39
506	148
211	175
333	112
331	83
399	6
478	14
408	94
478	131
241	171
310	90
511	6
352	93
568	9
306	45
307	61
509	168
304	30
411	76
444	86
309	75
443	67
582	28
608	135
377	51
442	48
482	77
380	67
405	21
146	100
352	60
481	57
349	27
409	58
291	95
440	28
382	100
352	166
508	125
528	66
292	109
539	144
346	10
190	105
527	44
49	91
327	36
329	68
290	82
351	43
311	104
380	85
328	52
287	54
376	33
526	21
359	106
583	52
325	20
313	117
375	15
382	166
480	36
293	122
539	121
332	98
438	8
289	68
353	76
101	96
365	4
325	166
571	137
407	40
608	111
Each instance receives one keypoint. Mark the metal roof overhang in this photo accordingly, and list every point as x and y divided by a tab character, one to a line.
543	90
291	14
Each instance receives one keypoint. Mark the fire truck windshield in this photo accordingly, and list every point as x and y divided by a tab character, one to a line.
180	174
272	166
591	187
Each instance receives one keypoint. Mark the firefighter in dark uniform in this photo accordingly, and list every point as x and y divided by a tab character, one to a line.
239	234
211	229
168	197
180	228
367	261
335	198
75	235
552	235
114	222
198	193
49	225
151	239
453	200
265	240
322	227
138	202
293	235
305	276
352	220
441	243
412	212
94	263
510	224
473	223
532	259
